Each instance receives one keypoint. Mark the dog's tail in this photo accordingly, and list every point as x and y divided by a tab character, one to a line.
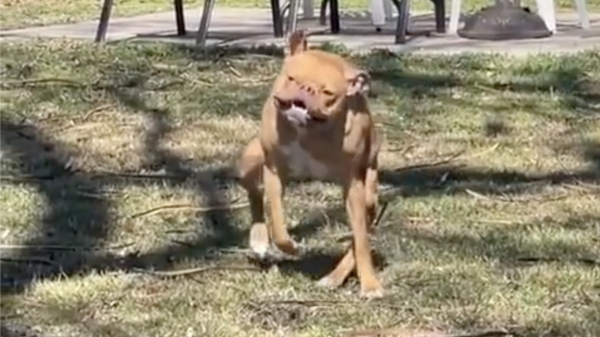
297	42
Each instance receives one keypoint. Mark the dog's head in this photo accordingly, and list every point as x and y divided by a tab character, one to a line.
314	86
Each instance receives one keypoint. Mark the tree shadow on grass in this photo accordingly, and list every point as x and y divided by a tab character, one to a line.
76	215
79	216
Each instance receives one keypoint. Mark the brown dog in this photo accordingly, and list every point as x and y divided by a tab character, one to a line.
316	124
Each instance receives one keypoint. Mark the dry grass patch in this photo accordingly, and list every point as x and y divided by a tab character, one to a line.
116	166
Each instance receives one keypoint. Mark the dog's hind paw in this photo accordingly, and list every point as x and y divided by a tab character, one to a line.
372	293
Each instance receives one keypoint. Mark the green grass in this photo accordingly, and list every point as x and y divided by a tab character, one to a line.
490	167
22	13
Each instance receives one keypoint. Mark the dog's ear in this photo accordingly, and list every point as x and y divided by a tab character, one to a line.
358	80
297	42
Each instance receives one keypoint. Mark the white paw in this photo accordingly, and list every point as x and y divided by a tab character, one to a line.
328	282
259	240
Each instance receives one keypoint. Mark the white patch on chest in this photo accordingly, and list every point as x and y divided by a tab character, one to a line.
302	164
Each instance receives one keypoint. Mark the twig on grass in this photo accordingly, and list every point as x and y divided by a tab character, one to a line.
95	110
377	220
444	161
397	333
304	303
422	333
374	225
166	208
192	271
481	196
234	71
547	259
507	198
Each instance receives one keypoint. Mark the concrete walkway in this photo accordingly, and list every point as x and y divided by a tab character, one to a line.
253	27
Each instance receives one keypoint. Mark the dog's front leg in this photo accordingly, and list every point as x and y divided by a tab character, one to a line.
356	204
274	189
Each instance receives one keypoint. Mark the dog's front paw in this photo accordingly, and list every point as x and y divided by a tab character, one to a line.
329	282
259	240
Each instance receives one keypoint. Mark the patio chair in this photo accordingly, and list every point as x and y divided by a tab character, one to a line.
107	9
402	6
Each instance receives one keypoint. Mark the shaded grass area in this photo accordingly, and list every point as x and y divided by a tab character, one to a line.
23	13
116	162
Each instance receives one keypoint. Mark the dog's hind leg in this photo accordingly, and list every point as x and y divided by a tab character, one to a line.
348	263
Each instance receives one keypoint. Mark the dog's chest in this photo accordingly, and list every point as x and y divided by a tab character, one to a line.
302	164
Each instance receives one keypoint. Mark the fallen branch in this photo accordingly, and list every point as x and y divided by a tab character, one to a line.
80	85
449	159
191	271
140	175
40	80
432	164
27	260
167	208
63	247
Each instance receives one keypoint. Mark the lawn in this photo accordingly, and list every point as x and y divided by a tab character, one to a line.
116	181
23	13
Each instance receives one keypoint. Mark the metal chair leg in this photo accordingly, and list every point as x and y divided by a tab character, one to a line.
179	17
292	18
323	13
207	9
334	16
276	18
403	7
103	22
440	15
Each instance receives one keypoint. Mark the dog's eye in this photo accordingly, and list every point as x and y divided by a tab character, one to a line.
291	79
328	92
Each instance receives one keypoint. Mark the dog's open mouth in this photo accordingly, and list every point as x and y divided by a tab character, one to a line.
297	113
